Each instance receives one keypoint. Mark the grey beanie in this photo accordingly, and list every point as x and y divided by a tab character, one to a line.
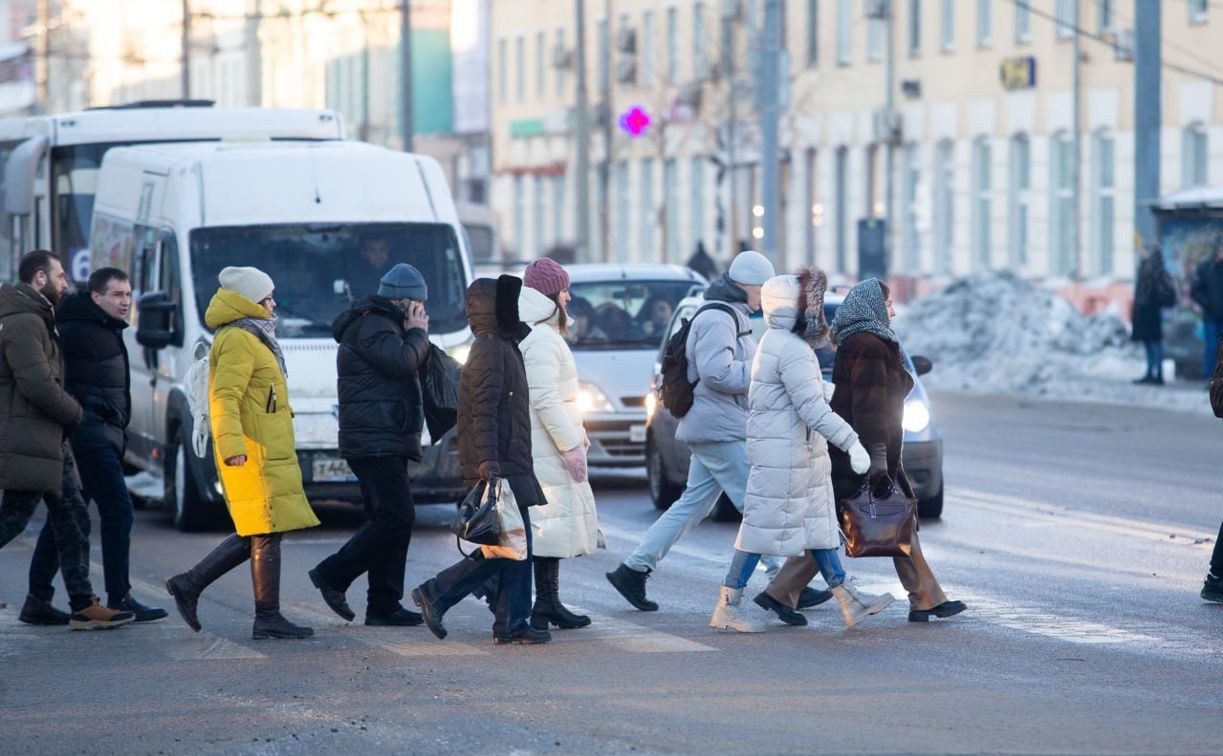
750	268
403	282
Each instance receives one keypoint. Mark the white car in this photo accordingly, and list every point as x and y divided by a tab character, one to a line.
617	316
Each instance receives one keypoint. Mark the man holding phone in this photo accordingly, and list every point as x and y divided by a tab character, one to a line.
384	344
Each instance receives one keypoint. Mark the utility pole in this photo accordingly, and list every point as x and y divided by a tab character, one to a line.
186	54
405	68
44	78
769	87
608	137
582	135
1147	116
889	216
1076	181
728	71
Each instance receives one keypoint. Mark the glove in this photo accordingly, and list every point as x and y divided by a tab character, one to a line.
575	463
829	389
877	473
489	470
859	460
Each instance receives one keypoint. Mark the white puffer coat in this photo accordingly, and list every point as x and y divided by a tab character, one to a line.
568	525
790	505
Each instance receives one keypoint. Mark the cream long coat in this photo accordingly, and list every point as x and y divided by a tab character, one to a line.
568	525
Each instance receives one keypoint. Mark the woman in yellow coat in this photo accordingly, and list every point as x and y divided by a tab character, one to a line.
252	434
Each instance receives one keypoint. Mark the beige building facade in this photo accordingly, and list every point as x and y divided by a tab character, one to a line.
983	132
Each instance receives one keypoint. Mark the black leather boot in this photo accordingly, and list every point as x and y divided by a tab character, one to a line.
265	578
548	606
186	587
631	585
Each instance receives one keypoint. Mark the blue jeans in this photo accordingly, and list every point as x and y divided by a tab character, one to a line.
744	564
1211	331
715	467
1155	358
102	481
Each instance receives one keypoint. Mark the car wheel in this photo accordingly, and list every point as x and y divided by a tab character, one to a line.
663	492
724	511
931	508
188	511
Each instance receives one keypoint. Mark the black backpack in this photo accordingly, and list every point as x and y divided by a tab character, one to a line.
676	390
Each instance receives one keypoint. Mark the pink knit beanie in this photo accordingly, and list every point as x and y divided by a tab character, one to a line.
546	276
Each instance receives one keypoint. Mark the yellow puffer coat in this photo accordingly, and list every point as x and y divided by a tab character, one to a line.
248	404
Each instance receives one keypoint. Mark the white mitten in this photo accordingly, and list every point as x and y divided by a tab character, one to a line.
575	463
859	460
829	388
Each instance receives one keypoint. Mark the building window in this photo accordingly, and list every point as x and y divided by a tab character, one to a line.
647	49
985	23
982	187
672	46
696	213
1105	22
1019	198
944	206
560	70
1194	156
670	188
813	32
911	193
520	69
947	25
700	63
558	209
1104	198
842	206
1023	23
503	67
541	55
647	251
520	199
874	35
845	31
1067	13
1061	203
811	203
874	208
604	57
537	225
622	225
1198	10
913	23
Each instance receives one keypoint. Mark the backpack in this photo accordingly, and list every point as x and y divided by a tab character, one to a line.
1216	384
676	390
195	388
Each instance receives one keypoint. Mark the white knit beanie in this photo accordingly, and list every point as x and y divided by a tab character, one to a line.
750	268
251	283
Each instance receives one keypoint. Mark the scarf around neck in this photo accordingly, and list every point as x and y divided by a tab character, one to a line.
864	310
265	330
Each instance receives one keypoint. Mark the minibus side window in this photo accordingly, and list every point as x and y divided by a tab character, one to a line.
171	280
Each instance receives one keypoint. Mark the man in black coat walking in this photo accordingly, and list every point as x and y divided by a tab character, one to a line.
1207	290
96	374
384	343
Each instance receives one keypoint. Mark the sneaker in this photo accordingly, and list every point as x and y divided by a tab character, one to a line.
98	617
35	611
140	611
1212	589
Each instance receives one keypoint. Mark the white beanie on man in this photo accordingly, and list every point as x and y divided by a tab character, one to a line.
251	283
750	268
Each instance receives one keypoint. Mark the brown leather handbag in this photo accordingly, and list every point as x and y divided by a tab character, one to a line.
877	526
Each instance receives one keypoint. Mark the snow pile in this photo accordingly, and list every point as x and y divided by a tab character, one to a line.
993	332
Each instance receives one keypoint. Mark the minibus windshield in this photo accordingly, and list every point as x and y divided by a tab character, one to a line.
320	270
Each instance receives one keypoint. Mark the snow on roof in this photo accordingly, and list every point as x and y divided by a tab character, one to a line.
1195	197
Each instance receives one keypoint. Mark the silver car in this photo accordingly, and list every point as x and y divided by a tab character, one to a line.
617	316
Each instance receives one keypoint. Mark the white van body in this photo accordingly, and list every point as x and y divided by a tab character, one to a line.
308	214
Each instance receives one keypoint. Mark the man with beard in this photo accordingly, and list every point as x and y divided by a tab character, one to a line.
36	417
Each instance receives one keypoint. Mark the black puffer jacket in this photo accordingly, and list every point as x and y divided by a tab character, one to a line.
95	372
381	408
494	423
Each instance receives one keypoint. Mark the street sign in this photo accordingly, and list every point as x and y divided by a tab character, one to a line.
872	251
1018	73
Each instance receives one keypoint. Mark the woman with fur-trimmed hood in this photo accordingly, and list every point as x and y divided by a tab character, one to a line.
790	507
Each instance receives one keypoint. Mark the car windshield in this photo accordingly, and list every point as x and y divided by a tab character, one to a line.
320	270
622	314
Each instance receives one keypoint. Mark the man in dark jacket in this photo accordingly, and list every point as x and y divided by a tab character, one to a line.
36	414
1207	290
494	429
96	374
384	342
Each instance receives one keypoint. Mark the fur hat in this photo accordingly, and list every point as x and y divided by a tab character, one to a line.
812	326
251	283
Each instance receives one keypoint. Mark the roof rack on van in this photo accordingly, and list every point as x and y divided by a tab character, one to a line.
142	104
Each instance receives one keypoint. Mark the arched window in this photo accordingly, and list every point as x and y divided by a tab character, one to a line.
1193	155
944	206
1019	199
982	192
1061	203
1103	201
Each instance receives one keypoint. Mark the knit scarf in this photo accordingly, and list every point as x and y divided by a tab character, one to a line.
265	330
864	311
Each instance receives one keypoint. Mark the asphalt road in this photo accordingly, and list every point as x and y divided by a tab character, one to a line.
1078	535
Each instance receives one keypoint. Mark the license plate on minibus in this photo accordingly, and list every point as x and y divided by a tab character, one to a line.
332	470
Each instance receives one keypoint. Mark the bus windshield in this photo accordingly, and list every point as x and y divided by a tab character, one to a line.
320	270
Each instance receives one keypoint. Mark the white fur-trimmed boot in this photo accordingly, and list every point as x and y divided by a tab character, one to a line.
856	604
727	615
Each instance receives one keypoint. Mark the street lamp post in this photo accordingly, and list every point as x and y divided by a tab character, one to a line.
770	91
582	137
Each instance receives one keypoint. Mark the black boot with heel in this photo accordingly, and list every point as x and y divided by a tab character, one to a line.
548	607
186	587
265	579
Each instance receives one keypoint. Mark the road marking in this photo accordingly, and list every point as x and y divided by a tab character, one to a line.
628	636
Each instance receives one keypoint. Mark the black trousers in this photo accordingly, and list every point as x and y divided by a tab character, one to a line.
1216	558
380	547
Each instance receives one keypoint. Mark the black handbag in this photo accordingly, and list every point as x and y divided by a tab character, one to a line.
439	387
476	520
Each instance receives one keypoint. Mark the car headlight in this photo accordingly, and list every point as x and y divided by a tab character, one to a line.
917	416
459	353
592	400
651	404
